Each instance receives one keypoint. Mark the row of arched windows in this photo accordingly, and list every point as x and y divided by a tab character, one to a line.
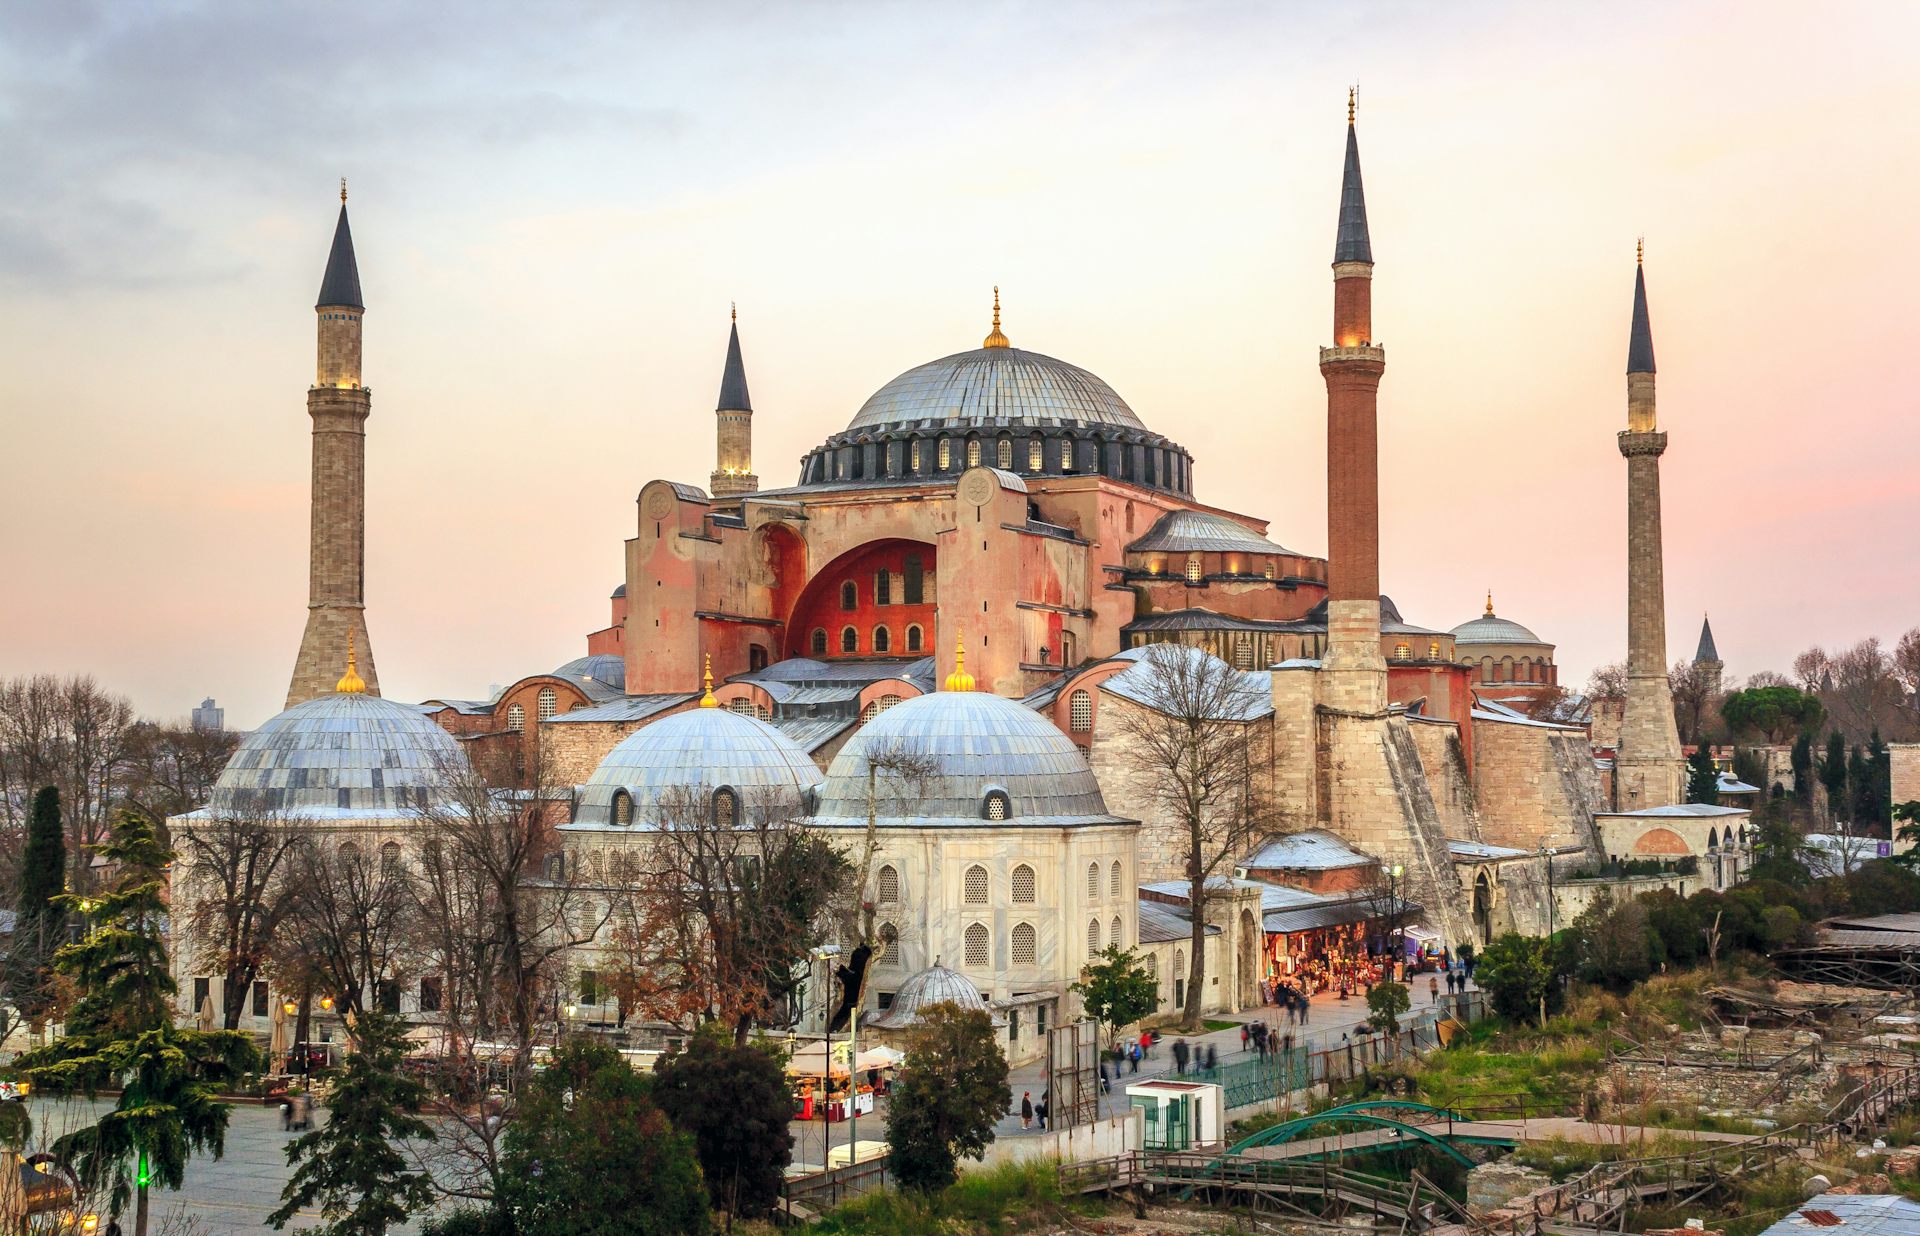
389	856
1510	669
545	705
723	808
1153	463
1023	884
1117	939
881	640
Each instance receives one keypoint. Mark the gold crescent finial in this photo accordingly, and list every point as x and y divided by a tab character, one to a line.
960	680
706	681
734	309
1489	602
343	190
1352	91
350	682
994	338
1640	251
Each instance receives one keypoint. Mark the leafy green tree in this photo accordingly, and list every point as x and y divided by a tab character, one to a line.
1611	937
1782	926
120	1030
1517	973
1703	780
41	923
1116	989
352	1166
1780	851
946	1097
589	1153
1873	792
1385	1002
1833	773
735	1103
1907	820
1772	712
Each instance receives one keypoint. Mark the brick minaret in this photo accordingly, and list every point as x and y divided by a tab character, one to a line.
338	404
1355	674
1648	770
733	458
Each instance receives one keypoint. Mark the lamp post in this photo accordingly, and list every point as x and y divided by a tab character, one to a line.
1546	860
1397	872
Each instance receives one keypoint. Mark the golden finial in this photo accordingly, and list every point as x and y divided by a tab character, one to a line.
1489	602
995	339
350	682
1351	92
959	680
707	700
343	190
1640	251
734	309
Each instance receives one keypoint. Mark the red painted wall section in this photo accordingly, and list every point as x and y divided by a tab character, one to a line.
820	606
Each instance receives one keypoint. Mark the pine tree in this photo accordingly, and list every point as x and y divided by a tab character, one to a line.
1703	781
120	1031
41	925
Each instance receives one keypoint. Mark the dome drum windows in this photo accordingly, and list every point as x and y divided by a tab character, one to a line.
622	807
726	807
996	805
973	452
1003	453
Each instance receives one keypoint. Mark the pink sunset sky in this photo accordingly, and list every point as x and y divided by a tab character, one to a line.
553	207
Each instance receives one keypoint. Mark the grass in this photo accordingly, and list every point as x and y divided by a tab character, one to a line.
1005	1199
1213	1025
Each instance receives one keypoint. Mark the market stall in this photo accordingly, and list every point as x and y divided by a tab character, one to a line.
834	1087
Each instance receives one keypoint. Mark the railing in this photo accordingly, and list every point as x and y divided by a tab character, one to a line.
825	1190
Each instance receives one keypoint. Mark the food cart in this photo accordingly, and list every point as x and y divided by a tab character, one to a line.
834	1089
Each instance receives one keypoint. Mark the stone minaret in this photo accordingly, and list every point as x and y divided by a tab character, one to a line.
338	404
733	458
1648	770
1355	674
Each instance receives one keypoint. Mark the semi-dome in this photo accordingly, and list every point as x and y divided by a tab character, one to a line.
998	386
934	985
603	668
687	758
1490	628
982	747
347	755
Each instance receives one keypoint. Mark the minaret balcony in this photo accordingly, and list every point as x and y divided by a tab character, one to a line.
1634	444
1357	355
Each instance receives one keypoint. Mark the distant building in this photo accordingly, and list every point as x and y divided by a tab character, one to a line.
209	716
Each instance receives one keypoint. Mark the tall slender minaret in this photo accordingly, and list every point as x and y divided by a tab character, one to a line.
1648	770
733	458
1354	672
338	404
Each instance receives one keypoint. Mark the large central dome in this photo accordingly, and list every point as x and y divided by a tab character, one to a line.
998	385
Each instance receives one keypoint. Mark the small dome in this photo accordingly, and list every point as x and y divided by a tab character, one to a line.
695	753
978	742
995	384
934	985
345	755
1490	629
605	669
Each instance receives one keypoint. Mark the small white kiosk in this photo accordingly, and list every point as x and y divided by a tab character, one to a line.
1179	1114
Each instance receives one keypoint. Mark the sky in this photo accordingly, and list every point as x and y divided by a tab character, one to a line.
554	206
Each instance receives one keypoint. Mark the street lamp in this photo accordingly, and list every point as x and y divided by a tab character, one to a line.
1398	872
1546	860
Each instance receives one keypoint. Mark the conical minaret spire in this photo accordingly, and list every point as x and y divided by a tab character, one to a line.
1648	770
1351	243
338	403
1706	651
733	413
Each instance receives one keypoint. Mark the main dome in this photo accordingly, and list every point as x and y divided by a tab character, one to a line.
1000	386
347	755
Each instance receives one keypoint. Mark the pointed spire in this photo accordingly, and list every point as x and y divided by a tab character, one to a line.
340	286
1706	651
959	680
1489	602
706	679
1352	244
1640	342
994	338
350	682
733	379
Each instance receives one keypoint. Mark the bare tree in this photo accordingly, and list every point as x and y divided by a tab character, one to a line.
169	770
1385	896
1608	682
1696	699
897	774
237	873
350	926
70	733
1189	740
1861	687
1906	675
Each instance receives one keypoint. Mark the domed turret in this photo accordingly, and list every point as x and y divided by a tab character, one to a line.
934	985
1490	628
686	759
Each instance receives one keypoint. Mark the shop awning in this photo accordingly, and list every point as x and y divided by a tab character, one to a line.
1332	914
809	1059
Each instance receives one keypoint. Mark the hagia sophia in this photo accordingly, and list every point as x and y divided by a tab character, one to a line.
998	563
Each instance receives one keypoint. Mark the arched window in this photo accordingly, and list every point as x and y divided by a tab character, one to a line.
973	452
547	701
913	581
849	639
913	456
622	807
1179	964
996	806
882	640
849	596
1036	455
349	852
888	701
726	806
1080	712
516	718
1113	882
1003	453
914	638
977	945
1093	936
1119	931
1402	652
976	889
882	588
1093	881
1066	454
1023	885
743	706
890	938
1243	652
870	712
1026	944
889	891
390	859
1193	568
1153	969
819	641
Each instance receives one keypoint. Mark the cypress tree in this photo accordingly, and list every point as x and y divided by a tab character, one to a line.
1703	781
1833	773
1803	769
41	923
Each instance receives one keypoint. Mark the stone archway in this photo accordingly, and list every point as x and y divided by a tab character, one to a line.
1251	939
1483	908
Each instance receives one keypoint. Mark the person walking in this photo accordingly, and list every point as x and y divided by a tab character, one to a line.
1433	989
1213	1057
1133	1058
1301	1005
1026	1109
1246	1036
1146	1043
1180	1053
1040	1109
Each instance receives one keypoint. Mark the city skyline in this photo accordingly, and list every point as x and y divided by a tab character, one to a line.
546	326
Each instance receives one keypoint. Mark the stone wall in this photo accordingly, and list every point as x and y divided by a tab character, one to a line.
1905	757
1448	780
1534	784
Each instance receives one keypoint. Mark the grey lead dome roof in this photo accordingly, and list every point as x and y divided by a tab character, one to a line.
989	384
978	742
1490	629
934	985
343	756
700	751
